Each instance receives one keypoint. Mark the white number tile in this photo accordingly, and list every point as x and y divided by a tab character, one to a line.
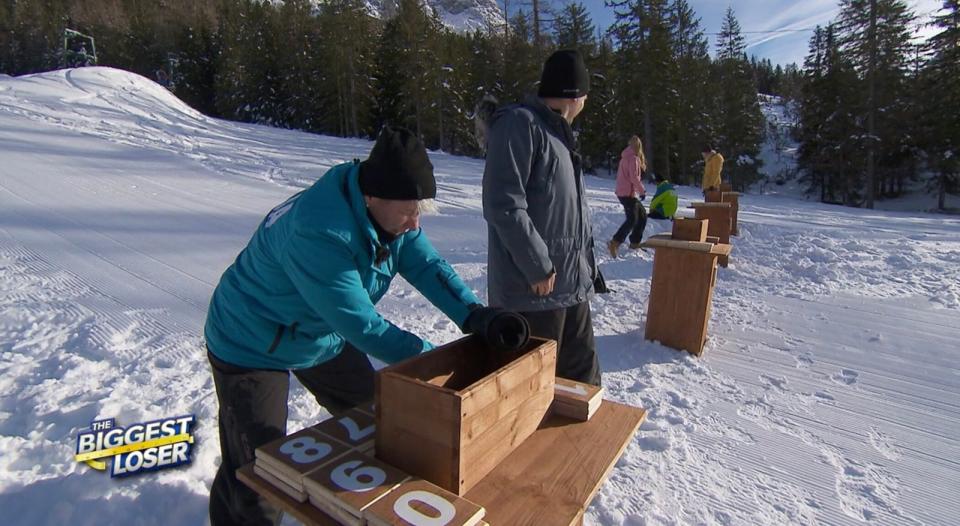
290	457
420	503
352	483
352	427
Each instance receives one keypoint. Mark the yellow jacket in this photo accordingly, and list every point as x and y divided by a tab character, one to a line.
711	172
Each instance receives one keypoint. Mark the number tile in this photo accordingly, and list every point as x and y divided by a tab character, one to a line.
420	503
352	483
291	457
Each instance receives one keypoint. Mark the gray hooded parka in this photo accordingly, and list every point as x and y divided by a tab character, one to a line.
536	210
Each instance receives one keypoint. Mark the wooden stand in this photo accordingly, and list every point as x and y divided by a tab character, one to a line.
719	216
681	293
727	196
452	415
687	229
548	479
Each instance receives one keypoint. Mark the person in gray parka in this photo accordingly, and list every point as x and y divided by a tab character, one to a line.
540	254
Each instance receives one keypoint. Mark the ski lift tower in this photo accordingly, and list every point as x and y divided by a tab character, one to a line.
75	50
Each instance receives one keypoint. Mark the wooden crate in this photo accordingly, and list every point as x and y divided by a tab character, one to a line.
687	229
681	292
718	214
726	187
451	415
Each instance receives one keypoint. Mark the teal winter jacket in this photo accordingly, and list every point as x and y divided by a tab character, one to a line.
308	281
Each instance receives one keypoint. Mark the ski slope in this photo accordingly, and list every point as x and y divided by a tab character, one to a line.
828	392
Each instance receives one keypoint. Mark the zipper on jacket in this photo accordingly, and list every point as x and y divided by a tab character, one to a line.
276	339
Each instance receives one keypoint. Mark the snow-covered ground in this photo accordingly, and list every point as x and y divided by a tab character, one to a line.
828	393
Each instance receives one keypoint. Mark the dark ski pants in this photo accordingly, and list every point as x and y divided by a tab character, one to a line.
253	411
572	328
635	222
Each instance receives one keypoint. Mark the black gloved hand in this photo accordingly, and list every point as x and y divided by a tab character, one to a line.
501	329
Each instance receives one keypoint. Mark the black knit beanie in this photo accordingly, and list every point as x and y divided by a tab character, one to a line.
398	168
564	76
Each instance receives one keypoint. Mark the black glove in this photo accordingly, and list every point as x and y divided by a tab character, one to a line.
501	329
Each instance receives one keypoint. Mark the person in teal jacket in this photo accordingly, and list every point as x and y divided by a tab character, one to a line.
301	298
664	203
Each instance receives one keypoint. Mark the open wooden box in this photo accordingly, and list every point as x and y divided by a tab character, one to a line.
452	414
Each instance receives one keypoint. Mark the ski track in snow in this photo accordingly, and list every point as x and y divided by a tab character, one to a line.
827	393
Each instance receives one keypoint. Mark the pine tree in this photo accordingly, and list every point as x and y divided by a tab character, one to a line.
692	59
408	95
32	35
600	140
193	68
828	125
248	75
647	77
740	122
346	65
574	29
875	35
521	68
941	103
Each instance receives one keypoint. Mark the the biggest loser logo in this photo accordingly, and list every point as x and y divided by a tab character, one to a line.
137	448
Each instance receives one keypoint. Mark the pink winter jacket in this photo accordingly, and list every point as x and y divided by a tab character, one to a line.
628	175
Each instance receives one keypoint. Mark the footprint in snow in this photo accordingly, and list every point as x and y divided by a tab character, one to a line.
884	444
846	376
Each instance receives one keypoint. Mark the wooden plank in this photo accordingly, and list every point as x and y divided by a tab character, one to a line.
290	491
488	390
734	199
418	427
453	366
552	477
486	451
476	423
721	250
699	205
680	294
689	230
720	222
302	511
657	242
422	503
726	187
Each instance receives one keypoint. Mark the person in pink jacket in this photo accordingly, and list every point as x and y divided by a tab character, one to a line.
630	192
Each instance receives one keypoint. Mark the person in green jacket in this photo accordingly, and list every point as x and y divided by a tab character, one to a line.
300	298
664	203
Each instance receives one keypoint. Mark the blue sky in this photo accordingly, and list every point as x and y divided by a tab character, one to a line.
763	15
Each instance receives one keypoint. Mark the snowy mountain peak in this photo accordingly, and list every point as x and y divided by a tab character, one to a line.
462	16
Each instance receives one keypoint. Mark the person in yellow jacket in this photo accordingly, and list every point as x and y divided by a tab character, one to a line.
713	165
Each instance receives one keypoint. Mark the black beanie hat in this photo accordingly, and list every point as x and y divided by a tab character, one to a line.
398	168
564	76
